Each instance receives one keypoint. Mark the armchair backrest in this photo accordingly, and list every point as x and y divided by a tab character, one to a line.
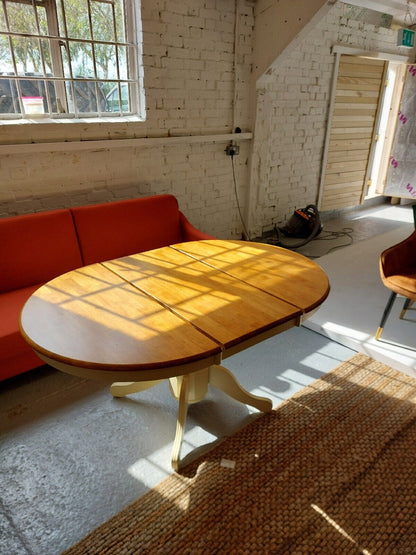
400	258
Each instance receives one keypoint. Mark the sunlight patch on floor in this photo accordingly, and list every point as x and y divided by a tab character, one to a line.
391	213
343	330
157	466
338	528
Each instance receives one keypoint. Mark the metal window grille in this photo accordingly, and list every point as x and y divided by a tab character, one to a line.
68	59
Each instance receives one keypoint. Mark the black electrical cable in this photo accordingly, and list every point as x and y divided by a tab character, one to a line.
331	235
238	203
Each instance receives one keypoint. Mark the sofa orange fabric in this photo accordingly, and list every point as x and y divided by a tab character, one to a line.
35	248
116	229
15	355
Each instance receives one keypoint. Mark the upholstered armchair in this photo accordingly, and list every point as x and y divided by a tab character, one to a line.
398	273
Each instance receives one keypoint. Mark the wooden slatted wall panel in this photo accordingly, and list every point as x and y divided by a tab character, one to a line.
355	109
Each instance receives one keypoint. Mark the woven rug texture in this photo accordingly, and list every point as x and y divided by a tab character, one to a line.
330	471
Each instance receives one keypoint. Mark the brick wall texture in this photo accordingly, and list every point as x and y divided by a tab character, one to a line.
292	113
197	57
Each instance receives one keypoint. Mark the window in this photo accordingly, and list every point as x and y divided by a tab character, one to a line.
69	59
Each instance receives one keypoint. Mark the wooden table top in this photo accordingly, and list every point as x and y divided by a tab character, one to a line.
170	307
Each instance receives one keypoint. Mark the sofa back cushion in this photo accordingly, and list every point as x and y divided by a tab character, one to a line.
35	248
116	229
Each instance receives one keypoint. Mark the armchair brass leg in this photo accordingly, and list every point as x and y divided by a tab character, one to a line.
378	334
386	313
407	304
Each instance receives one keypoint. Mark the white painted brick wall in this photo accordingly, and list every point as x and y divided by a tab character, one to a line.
295	102
189	62
190	71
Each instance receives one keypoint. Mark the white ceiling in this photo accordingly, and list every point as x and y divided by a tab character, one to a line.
396	8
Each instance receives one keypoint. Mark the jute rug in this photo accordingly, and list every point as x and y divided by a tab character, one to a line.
330	471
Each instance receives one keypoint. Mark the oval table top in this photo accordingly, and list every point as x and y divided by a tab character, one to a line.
165	312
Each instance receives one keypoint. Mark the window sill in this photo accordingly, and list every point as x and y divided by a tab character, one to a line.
40	120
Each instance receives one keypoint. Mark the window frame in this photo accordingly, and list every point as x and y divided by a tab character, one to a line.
132	41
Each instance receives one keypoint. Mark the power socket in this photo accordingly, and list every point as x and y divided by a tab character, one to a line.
232	150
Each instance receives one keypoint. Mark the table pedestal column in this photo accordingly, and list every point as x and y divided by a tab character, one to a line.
192	388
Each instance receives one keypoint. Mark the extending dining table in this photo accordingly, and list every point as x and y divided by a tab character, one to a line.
172	313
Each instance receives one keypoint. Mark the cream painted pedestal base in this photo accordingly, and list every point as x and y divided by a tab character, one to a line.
192	388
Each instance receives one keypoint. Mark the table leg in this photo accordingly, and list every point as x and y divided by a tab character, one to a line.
192	388
121	389
180	424
222	378
197	387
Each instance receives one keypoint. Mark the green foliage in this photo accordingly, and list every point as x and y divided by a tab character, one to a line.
76	48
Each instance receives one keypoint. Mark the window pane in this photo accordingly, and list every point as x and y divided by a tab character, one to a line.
102	88
3	26
77	21
34	97
86	95
122	60
113	99
125	99
46	51
21	18
9	103
33	93
105	58
70	91
102	21
99	71
118	98
120	29
50	100
81	59
61	19
43	23
65	60
6	61
27	54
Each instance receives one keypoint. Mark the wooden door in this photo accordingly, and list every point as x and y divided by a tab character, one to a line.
355	111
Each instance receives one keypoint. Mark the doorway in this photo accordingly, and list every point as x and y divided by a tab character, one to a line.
363	115
352	128
386	127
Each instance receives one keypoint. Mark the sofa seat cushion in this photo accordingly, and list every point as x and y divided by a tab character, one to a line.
12	343
116	229
35	248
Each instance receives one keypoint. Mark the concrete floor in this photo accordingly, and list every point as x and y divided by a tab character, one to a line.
71	456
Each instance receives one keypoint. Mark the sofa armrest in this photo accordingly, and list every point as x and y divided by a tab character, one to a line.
189	232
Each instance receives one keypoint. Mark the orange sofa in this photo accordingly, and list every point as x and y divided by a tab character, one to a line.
35	248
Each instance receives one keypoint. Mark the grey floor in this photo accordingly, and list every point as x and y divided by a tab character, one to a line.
71	456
